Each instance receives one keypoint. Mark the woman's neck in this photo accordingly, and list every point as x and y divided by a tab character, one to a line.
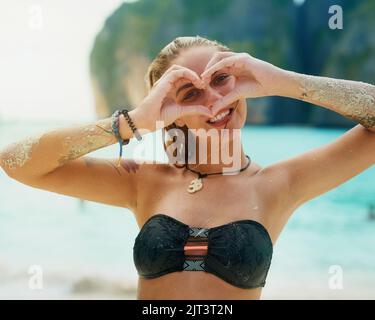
211	160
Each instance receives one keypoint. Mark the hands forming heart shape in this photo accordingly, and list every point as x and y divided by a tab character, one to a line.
253	78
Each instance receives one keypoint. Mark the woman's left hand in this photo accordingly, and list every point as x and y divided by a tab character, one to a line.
254	77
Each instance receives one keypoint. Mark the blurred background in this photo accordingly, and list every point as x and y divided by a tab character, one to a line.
69	62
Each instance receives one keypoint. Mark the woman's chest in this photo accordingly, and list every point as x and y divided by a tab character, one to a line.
221	200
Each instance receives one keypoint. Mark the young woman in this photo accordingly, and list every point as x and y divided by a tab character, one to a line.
207	230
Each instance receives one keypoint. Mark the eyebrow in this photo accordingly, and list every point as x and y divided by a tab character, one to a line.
188	85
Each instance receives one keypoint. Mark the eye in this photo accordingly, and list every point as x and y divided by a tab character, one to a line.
221	78
217	80
189	94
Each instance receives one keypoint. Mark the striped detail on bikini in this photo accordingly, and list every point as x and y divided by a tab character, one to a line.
195	249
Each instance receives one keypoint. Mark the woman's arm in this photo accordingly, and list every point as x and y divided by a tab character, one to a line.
43	153
319	170
55	161
316	171
257	78
352	99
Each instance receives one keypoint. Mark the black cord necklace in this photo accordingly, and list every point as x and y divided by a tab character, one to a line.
197	184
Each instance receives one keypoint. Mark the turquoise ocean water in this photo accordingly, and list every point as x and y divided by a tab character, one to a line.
85	248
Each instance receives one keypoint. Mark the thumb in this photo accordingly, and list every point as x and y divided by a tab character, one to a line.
196	110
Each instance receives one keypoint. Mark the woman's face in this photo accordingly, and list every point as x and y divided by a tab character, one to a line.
221	84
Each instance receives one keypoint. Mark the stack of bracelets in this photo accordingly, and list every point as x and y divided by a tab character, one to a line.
115	129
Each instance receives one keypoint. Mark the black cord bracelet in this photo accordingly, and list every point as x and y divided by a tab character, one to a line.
125	112
115	128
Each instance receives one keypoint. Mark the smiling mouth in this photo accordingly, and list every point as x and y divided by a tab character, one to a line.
222	117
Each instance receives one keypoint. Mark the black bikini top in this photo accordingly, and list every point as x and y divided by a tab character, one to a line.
238	252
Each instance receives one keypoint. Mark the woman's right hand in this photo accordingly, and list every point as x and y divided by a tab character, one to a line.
160	104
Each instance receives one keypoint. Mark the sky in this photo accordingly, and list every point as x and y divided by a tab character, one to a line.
44	57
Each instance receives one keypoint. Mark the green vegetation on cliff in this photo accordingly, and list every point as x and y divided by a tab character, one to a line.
293	37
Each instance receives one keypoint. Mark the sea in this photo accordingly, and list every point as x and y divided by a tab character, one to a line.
54	246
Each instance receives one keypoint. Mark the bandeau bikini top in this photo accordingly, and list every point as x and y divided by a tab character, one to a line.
239	252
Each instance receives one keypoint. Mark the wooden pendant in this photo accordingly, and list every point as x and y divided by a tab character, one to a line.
195	185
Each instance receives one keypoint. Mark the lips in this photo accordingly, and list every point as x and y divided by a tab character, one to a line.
225	119
222	120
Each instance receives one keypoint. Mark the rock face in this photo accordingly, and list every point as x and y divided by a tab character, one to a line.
294	37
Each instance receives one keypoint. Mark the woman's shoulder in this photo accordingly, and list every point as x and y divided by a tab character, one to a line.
153	182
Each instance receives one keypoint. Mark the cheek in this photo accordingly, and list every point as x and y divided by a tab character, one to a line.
241	113
244	108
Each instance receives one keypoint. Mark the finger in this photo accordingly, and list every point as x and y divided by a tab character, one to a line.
195	110
228	99
217	57
166	75
161	79
228	62
186	73
174	76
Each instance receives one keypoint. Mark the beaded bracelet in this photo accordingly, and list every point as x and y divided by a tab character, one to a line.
115	129
125	112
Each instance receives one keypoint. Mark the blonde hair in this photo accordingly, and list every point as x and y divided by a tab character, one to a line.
156	69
